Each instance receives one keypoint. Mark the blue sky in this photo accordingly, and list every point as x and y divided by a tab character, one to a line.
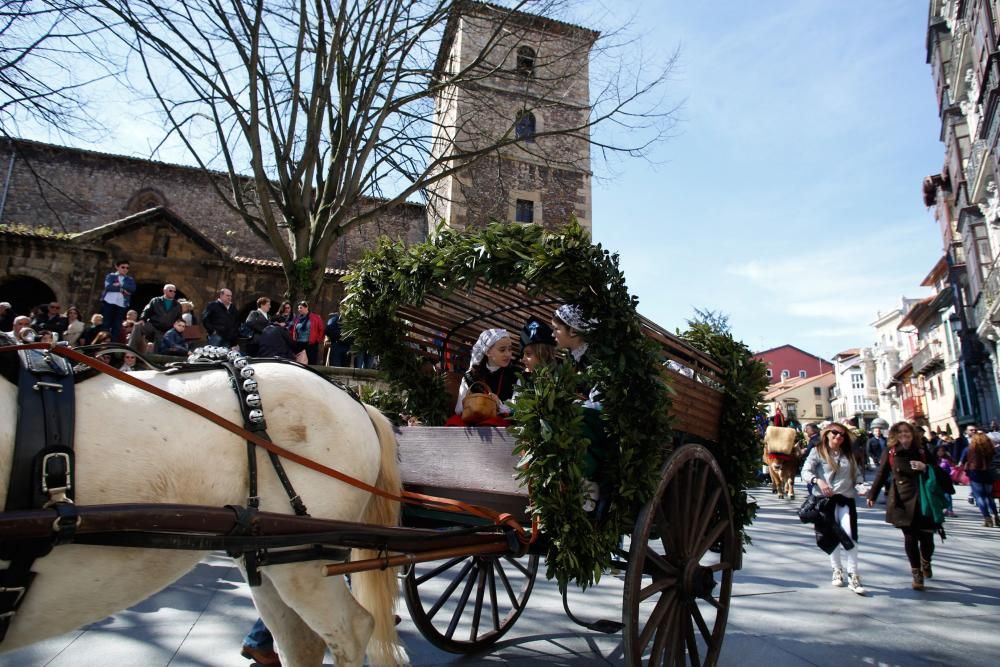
789	194
789	197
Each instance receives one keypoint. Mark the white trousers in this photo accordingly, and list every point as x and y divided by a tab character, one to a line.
842	514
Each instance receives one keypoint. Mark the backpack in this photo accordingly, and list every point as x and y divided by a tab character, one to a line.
332	330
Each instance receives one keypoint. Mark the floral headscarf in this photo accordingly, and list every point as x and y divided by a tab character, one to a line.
487	339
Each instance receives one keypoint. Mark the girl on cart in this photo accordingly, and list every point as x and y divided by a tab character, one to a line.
489	373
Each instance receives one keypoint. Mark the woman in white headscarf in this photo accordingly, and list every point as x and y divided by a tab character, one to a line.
490	369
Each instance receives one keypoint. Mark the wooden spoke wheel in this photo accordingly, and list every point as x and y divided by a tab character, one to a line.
681	562
465	604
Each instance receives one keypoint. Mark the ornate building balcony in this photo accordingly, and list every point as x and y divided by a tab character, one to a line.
974	165
913	408
987	308
929	359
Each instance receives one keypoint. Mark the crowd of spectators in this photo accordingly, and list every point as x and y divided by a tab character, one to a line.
168	325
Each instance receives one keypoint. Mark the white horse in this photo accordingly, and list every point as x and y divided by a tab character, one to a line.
132	447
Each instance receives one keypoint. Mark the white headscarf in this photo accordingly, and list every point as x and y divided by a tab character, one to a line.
487	339
573	316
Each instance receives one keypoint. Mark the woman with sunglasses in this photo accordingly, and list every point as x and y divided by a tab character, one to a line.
905	458
832	470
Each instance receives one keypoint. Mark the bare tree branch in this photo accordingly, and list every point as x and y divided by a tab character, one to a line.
49	54
323	112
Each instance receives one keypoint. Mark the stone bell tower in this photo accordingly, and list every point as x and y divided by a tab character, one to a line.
514	76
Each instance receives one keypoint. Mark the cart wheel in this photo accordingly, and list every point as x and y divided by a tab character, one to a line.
438	596
675	610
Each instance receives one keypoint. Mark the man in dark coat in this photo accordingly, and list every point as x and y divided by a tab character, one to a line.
51	320
339	348
275	341
221	320
156	319
876	444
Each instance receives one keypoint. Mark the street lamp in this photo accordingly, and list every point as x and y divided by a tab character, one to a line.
955	322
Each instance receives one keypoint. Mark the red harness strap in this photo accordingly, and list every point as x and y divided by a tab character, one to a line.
407	497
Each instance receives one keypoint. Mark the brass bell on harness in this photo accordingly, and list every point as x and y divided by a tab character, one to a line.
249	385
253	400
240	362
256	416
246	372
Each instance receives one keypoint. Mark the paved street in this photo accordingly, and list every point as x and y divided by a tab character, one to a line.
784	610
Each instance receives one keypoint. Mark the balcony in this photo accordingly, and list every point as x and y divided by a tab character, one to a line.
913	408
977	158
987	307
929	359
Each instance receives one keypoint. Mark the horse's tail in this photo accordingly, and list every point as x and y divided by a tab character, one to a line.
378	590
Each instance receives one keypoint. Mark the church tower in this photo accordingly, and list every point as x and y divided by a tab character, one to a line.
518	83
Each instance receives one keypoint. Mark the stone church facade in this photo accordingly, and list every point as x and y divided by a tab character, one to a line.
67	214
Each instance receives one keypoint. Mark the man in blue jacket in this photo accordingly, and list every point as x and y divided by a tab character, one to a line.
118	289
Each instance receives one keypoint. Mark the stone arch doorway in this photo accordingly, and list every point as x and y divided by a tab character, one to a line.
146	290
25	292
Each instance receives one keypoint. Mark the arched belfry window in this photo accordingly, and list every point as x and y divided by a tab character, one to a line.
524	128
145	199
525	61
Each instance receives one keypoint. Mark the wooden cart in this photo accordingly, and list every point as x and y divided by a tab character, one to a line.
678	560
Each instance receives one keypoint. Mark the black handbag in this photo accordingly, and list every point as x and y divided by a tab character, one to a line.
811	508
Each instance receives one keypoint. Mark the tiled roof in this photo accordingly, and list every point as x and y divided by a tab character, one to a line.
273	263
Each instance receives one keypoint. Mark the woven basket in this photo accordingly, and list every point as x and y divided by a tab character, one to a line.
478	407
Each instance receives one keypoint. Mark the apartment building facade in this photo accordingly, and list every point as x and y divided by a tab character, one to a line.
965	67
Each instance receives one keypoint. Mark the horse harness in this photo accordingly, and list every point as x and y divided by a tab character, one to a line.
42	474
42	470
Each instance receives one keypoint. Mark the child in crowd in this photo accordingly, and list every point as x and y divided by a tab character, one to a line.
947	464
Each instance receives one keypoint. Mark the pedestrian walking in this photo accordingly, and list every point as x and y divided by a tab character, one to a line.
978	467
832	469
947	465
906	458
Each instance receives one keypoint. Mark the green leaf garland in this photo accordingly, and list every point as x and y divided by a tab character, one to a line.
547	421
